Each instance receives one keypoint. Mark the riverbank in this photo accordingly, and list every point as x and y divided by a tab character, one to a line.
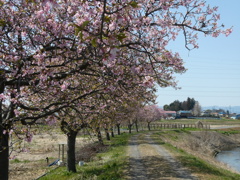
203	144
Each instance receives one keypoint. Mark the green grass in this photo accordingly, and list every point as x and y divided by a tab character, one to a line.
18	161
229	131
105	166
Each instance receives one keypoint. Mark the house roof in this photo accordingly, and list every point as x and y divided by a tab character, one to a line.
170	112
184	112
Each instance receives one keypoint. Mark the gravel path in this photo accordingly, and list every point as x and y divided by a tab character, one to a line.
151	161
136	163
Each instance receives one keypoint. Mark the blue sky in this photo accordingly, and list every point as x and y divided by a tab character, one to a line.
213	76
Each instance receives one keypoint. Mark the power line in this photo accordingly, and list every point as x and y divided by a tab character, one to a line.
211	58
219	78
197	96
205	91
212	70
209	87
215	87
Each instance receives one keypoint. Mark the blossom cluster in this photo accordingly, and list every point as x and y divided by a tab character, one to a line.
89	54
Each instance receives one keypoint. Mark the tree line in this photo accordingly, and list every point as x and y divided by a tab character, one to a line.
188	105
178	105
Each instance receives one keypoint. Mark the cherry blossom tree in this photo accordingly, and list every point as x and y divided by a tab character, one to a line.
55	53
130	116
197	109
96	112
150	114
137	110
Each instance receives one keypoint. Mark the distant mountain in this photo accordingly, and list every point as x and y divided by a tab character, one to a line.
231	109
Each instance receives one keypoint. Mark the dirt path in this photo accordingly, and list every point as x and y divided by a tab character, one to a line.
151	161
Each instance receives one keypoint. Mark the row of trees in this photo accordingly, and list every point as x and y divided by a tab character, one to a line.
178	105
88	63
189	105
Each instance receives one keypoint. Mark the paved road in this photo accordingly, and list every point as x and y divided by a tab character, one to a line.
223	126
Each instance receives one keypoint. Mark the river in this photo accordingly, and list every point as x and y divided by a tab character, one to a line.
231	158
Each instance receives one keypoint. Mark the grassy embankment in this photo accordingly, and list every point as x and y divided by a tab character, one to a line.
105	165
199	167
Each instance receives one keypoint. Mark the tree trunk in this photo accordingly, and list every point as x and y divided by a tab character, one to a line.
107	134
71	160
149	126
99	136
112	132
4	155
4	149
118	129
136	123
130	128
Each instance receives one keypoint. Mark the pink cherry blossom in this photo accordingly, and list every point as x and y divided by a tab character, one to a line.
228	32
2	97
